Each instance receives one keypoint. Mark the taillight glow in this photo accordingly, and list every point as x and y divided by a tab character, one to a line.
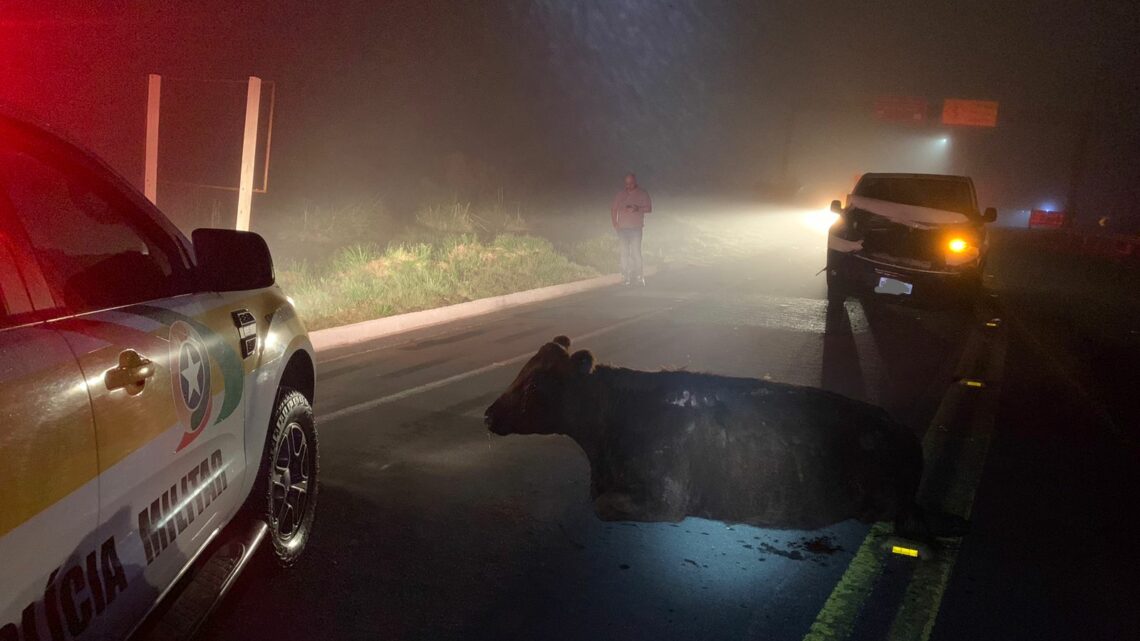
958	245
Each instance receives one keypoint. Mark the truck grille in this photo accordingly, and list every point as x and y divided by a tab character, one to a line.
890	242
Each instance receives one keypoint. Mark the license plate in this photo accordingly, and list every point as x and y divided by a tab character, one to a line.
893	287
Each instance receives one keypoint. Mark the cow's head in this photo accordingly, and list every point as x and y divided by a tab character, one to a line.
533	402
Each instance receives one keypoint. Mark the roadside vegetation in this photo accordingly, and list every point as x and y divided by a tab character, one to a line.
358	262
361	282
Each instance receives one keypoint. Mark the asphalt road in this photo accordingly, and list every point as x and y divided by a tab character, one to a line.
430	528
1052	553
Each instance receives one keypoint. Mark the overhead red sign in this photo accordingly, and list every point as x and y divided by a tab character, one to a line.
1044	219
969	113
901	109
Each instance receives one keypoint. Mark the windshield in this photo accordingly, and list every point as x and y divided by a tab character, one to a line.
936	193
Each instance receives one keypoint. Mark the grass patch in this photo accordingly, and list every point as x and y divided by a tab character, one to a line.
599	253
457	217
313	233
362	282
358	262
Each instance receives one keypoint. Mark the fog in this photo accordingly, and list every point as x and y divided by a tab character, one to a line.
551	102
445	190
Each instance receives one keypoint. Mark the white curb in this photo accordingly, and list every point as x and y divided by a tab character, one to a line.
346	335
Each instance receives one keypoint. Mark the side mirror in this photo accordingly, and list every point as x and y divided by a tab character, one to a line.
990	215
230	260
837	206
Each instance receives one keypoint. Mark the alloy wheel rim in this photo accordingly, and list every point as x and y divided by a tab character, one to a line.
289	482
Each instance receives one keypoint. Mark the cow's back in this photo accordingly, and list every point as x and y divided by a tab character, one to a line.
788	456
745	450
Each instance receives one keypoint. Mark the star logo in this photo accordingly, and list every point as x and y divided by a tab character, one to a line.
192	372
190	380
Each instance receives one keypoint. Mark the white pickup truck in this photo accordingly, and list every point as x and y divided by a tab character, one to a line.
906	235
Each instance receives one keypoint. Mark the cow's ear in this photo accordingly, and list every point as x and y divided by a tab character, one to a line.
583	361
562	340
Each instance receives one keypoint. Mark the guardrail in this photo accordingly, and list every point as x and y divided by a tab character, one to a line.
1117	247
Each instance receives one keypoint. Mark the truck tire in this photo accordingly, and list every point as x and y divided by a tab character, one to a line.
285	492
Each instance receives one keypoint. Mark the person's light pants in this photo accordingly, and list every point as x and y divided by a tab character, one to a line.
630	241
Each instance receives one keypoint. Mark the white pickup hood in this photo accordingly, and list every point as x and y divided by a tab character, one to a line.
909	215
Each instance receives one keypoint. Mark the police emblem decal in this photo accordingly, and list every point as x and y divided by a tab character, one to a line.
190	380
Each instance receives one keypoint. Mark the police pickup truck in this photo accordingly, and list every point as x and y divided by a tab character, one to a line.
155	403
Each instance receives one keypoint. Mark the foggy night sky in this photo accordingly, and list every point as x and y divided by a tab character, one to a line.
562	97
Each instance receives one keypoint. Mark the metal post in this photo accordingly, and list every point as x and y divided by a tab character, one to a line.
248	153
150	171
269	136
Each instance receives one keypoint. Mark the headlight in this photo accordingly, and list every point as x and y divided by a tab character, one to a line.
820	220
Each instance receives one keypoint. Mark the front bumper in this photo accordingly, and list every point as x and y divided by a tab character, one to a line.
858	273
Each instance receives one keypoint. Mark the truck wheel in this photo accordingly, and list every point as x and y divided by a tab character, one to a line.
285	492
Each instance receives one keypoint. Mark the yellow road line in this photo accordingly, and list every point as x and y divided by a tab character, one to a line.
923	599
836	619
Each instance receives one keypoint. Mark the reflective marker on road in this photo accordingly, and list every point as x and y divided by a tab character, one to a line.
969	382
898	549
906	547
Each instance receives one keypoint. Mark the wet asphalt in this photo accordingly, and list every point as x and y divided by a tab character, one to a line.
429	528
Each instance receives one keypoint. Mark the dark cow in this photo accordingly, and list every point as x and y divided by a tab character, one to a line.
666	445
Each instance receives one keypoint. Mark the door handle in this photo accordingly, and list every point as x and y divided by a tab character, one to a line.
131	374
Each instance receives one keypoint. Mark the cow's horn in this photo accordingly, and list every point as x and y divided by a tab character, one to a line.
562	340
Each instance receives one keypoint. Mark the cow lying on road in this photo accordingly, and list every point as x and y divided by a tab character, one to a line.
666	445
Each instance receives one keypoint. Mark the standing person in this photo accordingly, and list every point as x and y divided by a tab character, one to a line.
628	217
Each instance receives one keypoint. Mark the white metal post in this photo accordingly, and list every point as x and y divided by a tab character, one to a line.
248	153
150	171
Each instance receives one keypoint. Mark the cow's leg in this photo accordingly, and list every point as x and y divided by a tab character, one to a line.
917	523
617	506
621	506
